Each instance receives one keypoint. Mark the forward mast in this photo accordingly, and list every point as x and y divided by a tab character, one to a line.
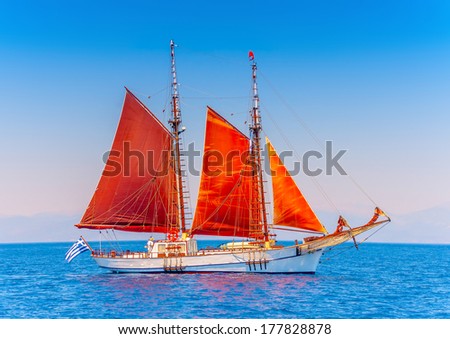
178	187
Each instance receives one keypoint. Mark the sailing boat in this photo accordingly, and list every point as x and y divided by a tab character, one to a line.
231	200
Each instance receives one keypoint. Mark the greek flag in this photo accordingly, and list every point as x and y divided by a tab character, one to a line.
79	247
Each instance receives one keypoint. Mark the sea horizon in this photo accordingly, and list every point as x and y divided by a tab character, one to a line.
217	239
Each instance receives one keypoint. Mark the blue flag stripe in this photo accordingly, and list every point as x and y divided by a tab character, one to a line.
75	253
79	247
74	248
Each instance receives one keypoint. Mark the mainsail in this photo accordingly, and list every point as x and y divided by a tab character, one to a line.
223	205
134	191
290	206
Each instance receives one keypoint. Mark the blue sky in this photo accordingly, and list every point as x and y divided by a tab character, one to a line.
373	76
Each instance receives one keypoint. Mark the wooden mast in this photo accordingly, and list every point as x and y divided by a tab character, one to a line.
258	215
175	123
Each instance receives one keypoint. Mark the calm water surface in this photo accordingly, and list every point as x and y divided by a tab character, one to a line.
378	281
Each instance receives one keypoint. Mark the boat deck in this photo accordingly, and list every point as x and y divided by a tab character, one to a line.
144	255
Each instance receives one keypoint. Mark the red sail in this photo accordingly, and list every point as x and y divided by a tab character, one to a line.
290	206
223	205
134	191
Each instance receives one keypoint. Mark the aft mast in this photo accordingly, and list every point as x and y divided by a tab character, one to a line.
258	214
175	122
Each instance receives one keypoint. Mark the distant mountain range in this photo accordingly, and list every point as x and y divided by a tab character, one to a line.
430	226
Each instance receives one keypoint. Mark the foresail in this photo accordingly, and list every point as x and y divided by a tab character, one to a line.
223	204
290	206
133	193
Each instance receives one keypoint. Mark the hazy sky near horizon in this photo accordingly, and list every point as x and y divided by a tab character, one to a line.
372	76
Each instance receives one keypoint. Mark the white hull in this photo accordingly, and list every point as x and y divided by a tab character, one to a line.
280	260
183	256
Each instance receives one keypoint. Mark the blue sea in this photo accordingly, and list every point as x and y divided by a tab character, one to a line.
377	281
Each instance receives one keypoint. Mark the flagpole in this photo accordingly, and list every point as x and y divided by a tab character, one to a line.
90	248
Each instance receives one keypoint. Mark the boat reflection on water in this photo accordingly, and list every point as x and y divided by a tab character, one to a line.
197	295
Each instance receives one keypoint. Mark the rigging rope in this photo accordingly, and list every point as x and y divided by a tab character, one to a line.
309	131
208	95
315	182
110	240
350	247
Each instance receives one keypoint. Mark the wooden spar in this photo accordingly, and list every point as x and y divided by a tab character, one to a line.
337	238
176	157
258	205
